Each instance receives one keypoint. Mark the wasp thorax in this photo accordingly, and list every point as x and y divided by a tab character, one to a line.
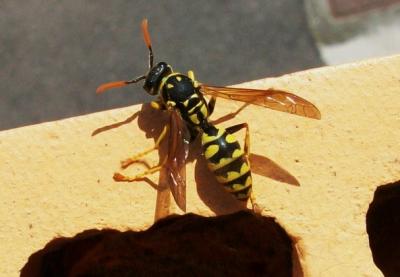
154	77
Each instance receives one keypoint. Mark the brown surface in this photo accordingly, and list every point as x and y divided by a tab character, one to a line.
318	181
350	7
383	227
241	244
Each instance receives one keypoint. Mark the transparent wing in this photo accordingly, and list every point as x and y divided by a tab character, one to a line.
271	98
178	149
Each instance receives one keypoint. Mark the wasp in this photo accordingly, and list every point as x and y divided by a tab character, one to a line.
189	111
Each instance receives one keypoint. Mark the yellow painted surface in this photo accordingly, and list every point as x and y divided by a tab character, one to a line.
56	178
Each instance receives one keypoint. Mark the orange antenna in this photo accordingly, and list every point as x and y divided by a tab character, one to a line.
147	40
110	85
118	84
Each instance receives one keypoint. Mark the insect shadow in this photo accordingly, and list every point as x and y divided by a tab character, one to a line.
152	122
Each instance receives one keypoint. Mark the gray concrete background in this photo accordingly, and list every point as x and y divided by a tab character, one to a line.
53	54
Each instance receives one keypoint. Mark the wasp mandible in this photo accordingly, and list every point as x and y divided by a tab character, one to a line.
183	97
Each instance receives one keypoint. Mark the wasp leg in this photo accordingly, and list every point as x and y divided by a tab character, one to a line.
258	209
238	127
211	105
122	178
193	132
191	74
230	115
131	160
158	105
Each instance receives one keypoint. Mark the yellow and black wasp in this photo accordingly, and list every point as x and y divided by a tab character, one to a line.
183	97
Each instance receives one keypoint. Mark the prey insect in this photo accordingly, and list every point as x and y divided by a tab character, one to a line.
183	97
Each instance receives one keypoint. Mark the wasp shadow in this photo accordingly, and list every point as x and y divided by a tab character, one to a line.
209	190
152	123
213	194
259	164
266	167
218	200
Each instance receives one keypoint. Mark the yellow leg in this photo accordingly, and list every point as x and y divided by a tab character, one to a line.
256	208
235	128
158	105
131	160
191	76
122	178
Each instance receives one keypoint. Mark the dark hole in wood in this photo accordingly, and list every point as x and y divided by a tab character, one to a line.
383	227
240	244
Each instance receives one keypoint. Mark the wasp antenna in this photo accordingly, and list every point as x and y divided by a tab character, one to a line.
137	79
118	84
110	85
146	34
147	40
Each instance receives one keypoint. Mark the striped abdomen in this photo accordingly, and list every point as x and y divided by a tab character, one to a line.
227	161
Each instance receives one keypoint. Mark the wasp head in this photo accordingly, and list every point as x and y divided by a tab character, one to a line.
154	77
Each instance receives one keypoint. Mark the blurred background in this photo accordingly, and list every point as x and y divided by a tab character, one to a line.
53	54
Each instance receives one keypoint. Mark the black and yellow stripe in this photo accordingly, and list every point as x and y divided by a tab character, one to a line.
223	153
227	161
192	105
182	96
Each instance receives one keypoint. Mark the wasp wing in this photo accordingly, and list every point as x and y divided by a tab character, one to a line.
178	149
271	98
